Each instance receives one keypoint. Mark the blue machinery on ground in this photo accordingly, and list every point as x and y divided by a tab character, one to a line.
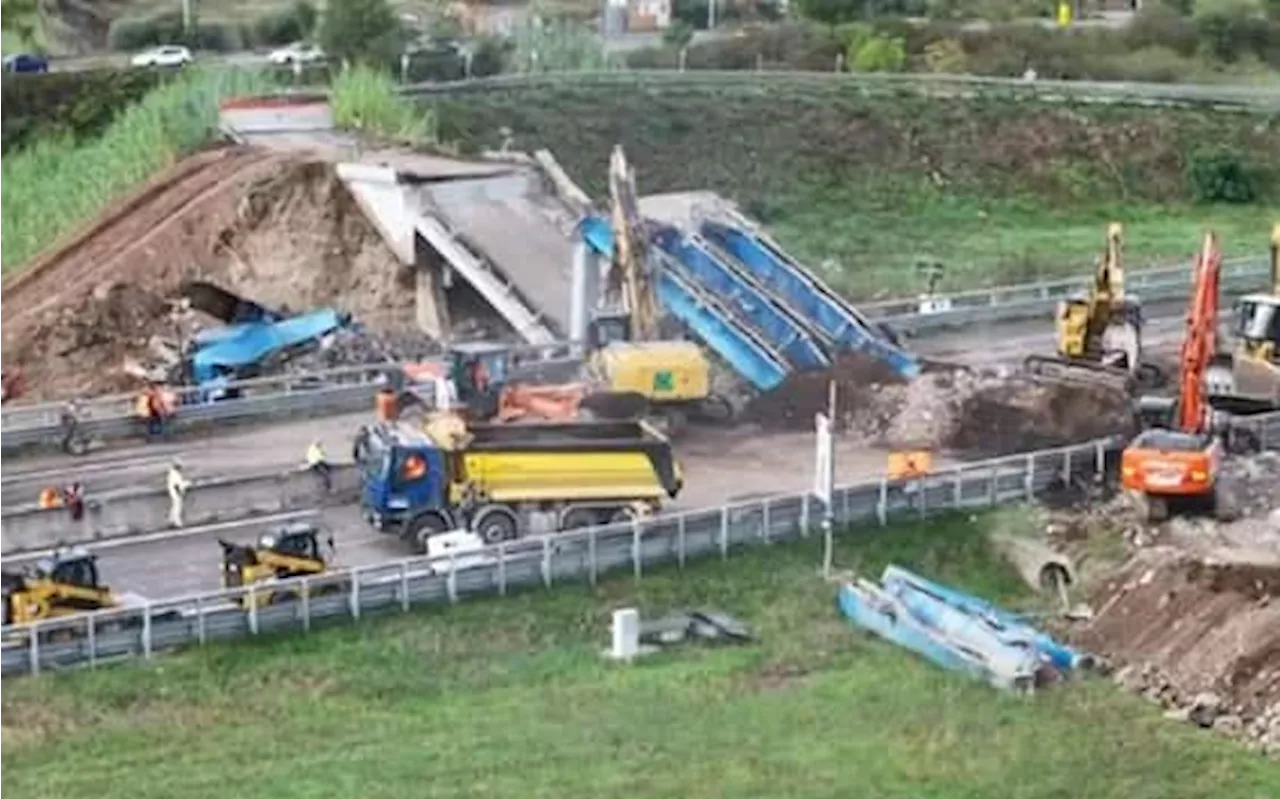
759	310
957	631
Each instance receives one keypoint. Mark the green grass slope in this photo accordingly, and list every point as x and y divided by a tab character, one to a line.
503	698
999	191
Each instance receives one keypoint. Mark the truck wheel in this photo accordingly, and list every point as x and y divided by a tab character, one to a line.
578	518
424	525
495	523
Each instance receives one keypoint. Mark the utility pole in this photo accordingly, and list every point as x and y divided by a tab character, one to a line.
187	12
711	14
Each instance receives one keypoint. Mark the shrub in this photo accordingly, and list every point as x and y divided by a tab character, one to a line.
1228	29
79	105
878	54
1221	176
285	26
489	56
367	100
128	35
678	35
946	56
362	31
1161	26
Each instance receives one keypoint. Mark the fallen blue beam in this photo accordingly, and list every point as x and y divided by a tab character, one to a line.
773	324
1008	626
839	322
752	359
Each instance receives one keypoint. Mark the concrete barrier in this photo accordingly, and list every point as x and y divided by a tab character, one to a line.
146	510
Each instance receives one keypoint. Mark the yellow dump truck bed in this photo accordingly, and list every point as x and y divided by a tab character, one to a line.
577	461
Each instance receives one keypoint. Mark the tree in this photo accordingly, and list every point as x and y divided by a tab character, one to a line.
19	18
678	35
362	31
878	54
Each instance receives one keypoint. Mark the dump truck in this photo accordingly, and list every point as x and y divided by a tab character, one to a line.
504	481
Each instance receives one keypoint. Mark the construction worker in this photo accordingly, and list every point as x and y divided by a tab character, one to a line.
70	423
177	484
73	498
319	463
50	498
155	413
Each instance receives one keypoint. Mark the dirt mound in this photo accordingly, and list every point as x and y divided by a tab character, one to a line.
1201	636
792	405
279	230
984	414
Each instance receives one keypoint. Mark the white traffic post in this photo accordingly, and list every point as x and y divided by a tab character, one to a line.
824	479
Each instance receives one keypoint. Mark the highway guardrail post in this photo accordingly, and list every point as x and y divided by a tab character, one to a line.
1066	467
764	521
305	598
635	549
957	488
404	586
91	638
200	631
146	630
1029	479
451	583
724	533
502	568
804	515
680	534
252	598
882	503
33	647
591	555
546	561
355	594
993	489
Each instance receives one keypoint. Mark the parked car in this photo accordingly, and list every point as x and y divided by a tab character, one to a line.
296	53
166	55
26	62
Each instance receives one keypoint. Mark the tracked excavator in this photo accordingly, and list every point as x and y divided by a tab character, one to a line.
290	550
630	370
1099	331
1173	466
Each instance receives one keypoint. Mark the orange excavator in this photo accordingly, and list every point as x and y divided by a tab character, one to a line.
1172	467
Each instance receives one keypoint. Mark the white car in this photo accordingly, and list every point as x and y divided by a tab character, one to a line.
296	53
168	55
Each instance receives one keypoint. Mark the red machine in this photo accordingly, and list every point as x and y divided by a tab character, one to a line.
1173	467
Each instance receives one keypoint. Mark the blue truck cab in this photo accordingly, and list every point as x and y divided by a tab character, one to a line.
403	476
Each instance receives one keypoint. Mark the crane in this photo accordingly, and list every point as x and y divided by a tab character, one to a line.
1100	329
1175	467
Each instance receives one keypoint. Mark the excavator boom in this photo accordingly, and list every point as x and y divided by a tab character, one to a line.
1199	344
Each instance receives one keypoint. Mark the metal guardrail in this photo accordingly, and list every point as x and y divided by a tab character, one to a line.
152	627
1032	300
355	592
1243	97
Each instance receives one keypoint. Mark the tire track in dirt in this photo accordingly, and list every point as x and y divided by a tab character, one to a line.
74	266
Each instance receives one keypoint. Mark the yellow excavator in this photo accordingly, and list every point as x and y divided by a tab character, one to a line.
1099	331
1248	379
290	550
631	370
61	585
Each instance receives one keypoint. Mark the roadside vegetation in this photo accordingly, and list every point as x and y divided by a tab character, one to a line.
57	184
509	697
996	190
367	101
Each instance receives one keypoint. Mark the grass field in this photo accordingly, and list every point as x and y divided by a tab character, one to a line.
871	245
502	698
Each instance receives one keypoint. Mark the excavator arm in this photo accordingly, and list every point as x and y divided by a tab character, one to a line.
629	278
1199	343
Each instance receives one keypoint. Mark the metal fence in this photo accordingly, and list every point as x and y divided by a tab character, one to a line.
548	560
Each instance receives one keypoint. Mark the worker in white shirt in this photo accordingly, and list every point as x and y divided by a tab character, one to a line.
178	484
318	462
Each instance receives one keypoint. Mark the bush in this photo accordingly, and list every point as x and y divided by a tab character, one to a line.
946	56
1161	26
77	105
362	31
285	26
127	35
1221	177
490	55
1229	29
878	54
678	35
368	100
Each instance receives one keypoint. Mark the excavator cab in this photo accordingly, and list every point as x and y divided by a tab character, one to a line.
291	550
479	371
